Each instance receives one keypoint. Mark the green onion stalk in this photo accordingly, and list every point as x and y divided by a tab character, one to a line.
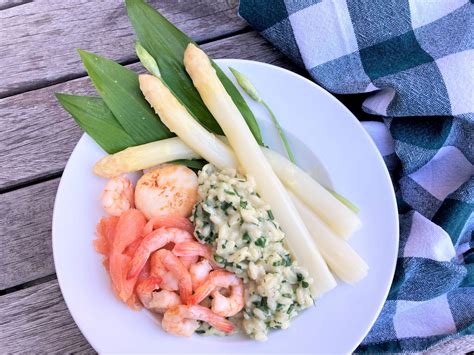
250	90
248	87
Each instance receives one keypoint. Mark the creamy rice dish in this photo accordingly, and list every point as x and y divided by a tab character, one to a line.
231	217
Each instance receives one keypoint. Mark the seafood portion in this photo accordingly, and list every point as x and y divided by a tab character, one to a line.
168	190
152	257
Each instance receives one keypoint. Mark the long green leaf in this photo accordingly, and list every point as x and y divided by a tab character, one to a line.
95	118
167	44
120	90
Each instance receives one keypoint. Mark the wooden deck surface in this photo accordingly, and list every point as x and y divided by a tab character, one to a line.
38	42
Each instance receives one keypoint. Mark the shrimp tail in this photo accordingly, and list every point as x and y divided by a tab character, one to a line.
201	293
222	324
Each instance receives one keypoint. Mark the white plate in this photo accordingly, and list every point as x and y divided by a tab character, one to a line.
318	125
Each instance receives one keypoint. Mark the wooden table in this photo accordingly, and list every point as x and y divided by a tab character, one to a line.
38	41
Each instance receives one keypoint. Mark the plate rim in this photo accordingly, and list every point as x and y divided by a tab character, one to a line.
327	94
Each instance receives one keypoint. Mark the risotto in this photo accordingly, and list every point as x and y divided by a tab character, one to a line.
231	216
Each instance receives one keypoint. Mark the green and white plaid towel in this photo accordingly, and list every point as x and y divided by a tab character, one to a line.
417	58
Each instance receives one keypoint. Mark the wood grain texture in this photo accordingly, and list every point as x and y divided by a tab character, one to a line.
36	320
39	38
37	135
459	346
25	234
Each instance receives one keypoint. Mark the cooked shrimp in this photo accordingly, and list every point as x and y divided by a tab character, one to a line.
162	300
170	189
117	196
189	261
176	267
128	230
225	306
192	248
154	241
182	320
199	272
168	221
169	282
145	289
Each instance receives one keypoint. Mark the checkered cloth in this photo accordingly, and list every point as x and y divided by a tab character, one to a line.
417	58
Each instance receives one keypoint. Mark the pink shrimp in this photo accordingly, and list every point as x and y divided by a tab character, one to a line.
152	242
182	320
189	261
117	196
176	267
175	221
145	289
199	272
128	229
221	305
192	248
169	282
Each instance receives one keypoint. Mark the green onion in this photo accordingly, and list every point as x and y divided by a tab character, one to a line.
219	259
228	192
344	200
270	215
250	89
147	60
243	204
305	284
290	309
246	237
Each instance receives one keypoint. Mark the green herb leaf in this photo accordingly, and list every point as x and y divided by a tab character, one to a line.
167	44
270	214
261	242
219	259
120	90
95	118
246	237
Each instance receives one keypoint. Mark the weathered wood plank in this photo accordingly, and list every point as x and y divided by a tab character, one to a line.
39	38
36	320
25	234
37	135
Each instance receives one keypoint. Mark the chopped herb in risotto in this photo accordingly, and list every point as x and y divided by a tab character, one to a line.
248	241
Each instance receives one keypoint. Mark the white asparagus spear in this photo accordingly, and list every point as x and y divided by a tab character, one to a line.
253	162
340	257
143	156
333	212
179	121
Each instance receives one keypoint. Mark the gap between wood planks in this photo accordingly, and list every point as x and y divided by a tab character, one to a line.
64	78
24	285
8	4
